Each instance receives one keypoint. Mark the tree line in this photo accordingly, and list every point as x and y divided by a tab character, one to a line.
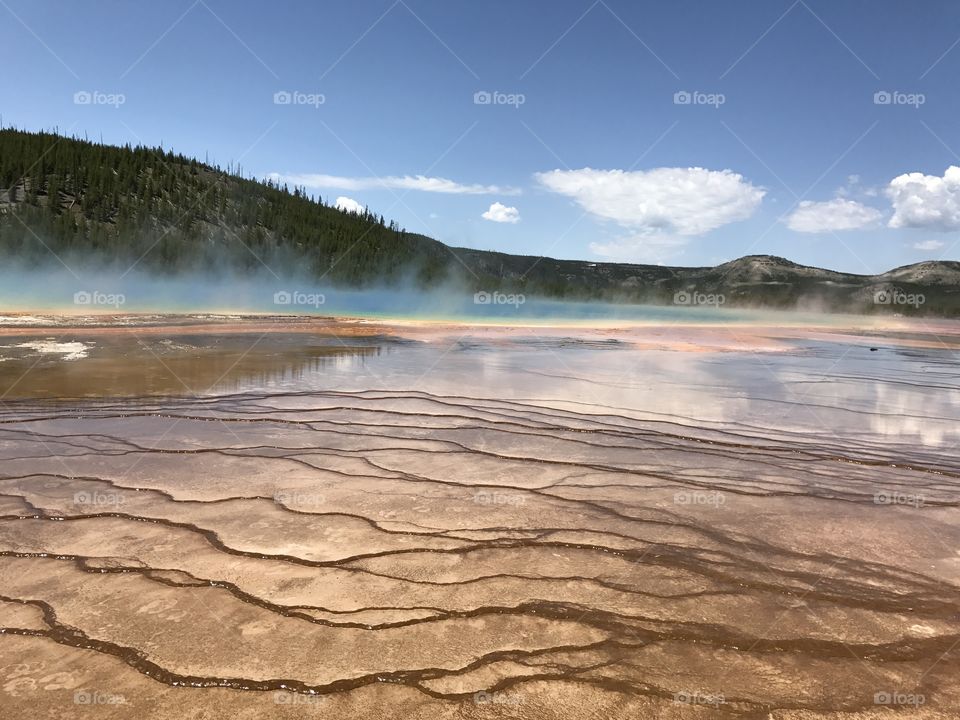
115	205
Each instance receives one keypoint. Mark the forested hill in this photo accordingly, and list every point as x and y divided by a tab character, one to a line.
120	204
114	206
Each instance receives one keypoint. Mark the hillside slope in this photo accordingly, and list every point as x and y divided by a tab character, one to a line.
117	206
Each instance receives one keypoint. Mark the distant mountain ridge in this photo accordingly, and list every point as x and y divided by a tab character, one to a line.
116	206
754	281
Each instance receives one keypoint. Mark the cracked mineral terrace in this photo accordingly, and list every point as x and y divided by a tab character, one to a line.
253	517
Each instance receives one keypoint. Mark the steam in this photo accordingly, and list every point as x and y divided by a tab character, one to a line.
79	286
87	291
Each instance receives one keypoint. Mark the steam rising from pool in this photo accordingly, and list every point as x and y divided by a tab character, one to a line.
78	291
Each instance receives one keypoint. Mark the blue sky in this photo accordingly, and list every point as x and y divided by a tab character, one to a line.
684	132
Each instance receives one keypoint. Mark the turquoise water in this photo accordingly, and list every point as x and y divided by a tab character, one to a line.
63	292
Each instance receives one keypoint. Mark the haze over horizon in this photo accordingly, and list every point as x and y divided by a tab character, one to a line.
694	135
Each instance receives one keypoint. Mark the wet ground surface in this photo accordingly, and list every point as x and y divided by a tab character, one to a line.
544	525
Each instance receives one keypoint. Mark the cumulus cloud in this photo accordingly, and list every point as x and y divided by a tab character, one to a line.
928	245
348	204
500	213
832	215
672	201
926	201
405	182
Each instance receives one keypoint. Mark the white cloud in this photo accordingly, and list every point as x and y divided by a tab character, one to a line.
928	245
926	201
852	186
406	182
673	201
501	214
831	215
348	204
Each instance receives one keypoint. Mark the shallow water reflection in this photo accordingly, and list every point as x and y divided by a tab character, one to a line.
905	396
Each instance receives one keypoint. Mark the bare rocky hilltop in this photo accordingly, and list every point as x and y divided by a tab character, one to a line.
929	288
